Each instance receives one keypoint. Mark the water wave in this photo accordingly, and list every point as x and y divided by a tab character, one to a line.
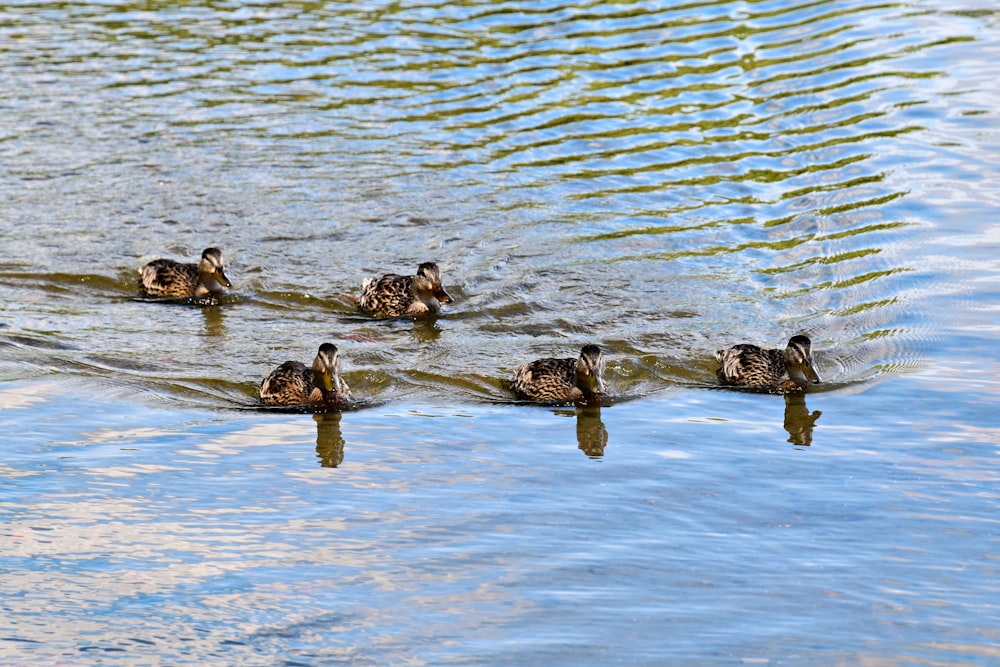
663	181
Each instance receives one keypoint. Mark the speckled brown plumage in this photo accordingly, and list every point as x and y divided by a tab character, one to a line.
393	295
168	278
785	370
293	383
570	379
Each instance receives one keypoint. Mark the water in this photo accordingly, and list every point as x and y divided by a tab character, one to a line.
663	180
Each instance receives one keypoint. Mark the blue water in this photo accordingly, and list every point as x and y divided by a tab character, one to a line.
663	180
701	536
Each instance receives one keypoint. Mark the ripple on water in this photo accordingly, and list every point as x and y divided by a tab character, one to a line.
713	170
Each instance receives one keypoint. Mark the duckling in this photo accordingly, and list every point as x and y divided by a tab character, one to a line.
576	379
292	383
167	278
393	295
785	370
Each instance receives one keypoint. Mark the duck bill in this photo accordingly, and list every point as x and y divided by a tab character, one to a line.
810	372
590	386
326	380
221	278
442	296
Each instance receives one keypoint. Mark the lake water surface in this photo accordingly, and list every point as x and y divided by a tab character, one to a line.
663	179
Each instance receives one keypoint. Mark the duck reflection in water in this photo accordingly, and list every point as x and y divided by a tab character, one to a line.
591	434
329	439
425	330
215	328
798	421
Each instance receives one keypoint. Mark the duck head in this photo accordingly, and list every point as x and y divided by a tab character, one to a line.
326	368
427	285
799	361
590	371
210	269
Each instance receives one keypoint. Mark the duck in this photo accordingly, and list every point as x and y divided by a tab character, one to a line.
393	295
293	384
787	370
169	278
571	379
